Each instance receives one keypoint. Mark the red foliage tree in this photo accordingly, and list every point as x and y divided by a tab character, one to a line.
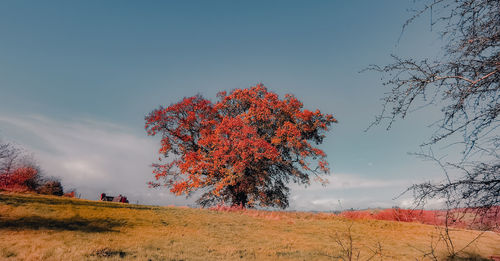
243	149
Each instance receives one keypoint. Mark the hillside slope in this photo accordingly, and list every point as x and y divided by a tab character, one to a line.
34	227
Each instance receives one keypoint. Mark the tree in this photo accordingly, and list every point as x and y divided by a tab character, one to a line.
18	170
243	149
9	157
464	82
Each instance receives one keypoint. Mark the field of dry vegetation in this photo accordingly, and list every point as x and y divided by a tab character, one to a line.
36	227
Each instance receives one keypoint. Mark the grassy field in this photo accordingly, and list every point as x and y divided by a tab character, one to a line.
34	227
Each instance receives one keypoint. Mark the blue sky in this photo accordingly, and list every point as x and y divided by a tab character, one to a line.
77	79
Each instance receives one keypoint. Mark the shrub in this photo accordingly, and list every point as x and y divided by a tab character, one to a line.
489	219
226	208
51	187
359	214
70	194
21	179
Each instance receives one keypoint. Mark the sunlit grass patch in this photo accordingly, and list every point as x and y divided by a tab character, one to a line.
34	227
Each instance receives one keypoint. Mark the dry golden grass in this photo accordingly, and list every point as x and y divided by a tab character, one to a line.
34	227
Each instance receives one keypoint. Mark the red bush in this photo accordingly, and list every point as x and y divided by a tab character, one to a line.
358	214
226	208
70	194
21	179
459	218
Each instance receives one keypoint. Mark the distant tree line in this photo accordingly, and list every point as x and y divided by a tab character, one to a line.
19	172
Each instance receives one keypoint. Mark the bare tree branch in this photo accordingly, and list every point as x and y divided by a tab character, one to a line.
465	84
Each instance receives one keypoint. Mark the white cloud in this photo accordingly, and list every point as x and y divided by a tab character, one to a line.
352	181
434	203
326	202
346	191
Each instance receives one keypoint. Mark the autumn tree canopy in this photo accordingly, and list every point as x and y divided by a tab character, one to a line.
243	149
